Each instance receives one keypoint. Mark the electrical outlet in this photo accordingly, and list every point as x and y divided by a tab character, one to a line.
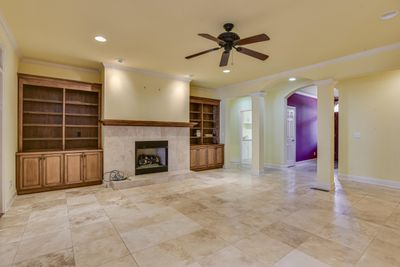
11	185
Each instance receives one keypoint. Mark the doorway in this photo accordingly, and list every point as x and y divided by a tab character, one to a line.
301	133
291	136
246	136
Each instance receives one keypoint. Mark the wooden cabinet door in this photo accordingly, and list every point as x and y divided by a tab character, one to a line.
202	157
193	158
92	167
220	155
73	172
29	172
211	156
52	171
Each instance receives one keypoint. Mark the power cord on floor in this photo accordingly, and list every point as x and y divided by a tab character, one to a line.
114	175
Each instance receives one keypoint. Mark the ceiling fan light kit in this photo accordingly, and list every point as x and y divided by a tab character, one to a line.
229	40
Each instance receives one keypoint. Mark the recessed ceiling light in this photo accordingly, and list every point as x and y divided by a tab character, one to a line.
389	15
100	39
226	71
292	79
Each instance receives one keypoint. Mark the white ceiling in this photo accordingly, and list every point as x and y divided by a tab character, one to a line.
157	35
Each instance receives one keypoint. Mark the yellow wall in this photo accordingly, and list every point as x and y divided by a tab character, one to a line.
129	95
41	68
370	106
9	118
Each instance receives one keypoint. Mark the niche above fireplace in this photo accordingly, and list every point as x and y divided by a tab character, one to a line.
151	157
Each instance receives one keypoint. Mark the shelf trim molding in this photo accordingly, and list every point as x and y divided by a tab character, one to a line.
108	122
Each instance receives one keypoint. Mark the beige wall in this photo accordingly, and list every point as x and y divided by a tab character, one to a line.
9	118
204	92
41	68
130	95
370	106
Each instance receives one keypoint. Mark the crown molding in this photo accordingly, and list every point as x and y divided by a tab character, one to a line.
326	82
148	72
259	94
293	72
57	65
9	33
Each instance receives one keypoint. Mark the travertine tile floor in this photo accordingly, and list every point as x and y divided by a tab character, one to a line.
215	218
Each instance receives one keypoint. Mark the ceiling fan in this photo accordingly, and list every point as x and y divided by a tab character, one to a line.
228	40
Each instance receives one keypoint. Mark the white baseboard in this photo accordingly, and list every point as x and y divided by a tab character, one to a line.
370	180
305	161
9	203
275	166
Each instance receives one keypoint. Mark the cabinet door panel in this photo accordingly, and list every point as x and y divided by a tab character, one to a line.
53	170
29	172
92	167
193	158
73	168
220	155
202	154
211	159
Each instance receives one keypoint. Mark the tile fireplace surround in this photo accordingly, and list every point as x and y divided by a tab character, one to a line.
119	147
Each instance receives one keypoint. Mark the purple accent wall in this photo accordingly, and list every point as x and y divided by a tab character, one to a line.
306	126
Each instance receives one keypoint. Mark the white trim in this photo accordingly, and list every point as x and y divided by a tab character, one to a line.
302	162
258	94
275	166
57	65
370	180
293	72
257	172
8	204
148	72
285	135
3	186
8	32
306	94
325	82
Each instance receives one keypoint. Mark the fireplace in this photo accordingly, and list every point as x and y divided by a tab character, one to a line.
151	157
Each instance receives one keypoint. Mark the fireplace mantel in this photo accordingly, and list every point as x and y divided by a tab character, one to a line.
147	123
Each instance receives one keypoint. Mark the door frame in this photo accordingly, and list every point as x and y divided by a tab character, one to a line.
241	135
3	186
286	141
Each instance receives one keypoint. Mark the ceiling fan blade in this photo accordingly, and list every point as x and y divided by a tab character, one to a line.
203	52
224	59
253	39
212	38
252	53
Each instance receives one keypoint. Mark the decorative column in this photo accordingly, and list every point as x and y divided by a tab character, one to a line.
258	110
224	129
326	150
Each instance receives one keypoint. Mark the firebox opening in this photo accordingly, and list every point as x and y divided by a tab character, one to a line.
151	157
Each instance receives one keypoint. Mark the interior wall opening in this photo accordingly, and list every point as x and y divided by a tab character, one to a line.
301	133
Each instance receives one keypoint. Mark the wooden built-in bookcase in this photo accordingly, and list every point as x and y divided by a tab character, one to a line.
61	116
206	151
204	114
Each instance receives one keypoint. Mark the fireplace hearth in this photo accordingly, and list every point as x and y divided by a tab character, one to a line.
151	157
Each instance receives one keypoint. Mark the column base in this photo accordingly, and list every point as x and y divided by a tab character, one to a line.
257	172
